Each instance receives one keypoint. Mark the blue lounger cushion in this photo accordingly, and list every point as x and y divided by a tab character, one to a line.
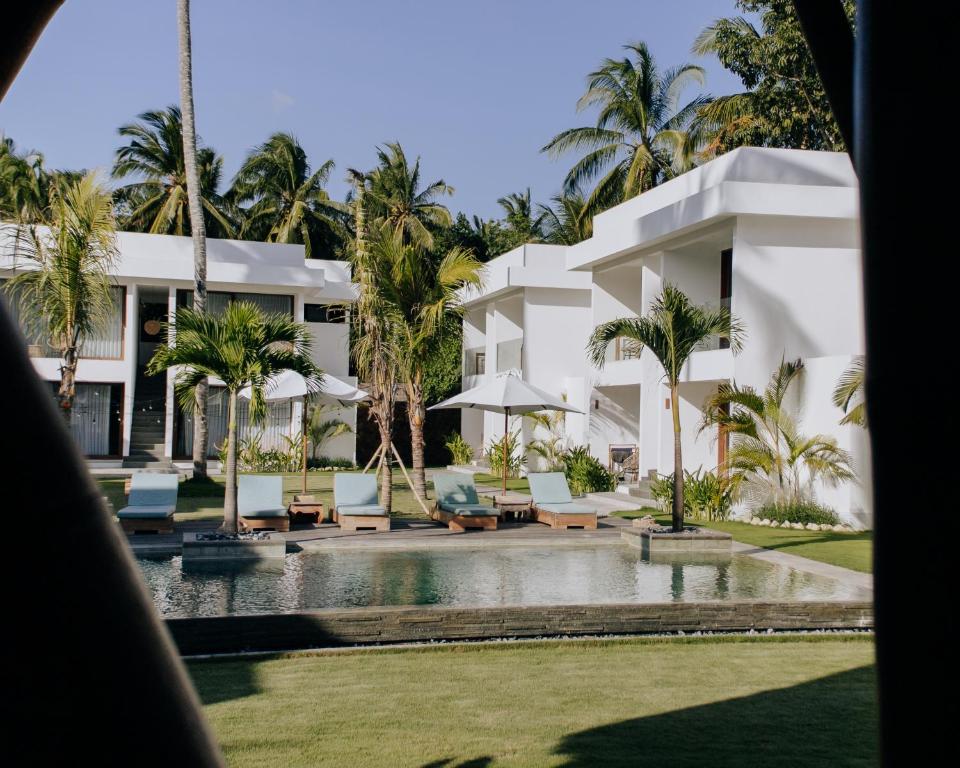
151	496
570	508
354	490
260	496
362	510
474	510
549	488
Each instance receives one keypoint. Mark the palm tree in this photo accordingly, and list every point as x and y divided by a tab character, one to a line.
672	331
421	293
290	204
769	457
374	351
522	225
66	292
849	388
640	138
321	429
242	347
396	201
24	184
567	221
158	201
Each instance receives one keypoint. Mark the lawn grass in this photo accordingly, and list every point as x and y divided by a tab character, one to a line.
782	701
848	550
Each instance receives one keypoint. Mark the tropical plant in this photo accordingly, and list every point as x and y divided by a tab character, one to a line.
641	136
800	511
419	293
661	491
769	458
374	334
521	225
585	473
242	347
672	331
785	104
288	201
330	462
198	228
567	221
486	238
65	292
24	182
461	452
320	430
849	389
495	455
550	448
710	494
396	201
158	201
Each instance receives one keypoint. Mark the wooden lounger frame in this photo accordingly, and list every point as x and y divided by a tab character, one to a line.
460	523
146	524
362	522
278	524
586	520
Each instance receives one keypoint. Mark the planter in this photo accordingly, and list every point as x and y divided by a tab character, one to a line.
210	548
651	540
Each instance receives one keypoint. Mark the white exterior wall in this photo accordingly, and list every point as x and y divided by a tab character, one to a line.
791	219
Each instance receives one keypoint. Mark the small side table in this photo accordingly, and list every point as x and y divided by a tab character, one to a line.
514	506
305	509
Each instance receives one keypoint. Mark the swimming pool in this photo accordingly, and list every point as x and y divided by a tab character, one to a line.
483	577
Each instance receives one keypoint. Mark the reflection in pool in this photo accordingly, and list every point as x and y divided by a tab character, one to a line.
475	577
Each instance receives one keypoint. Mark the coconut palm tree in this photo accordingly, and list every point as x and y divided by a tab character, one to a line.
522	225
421	293
640	138
289	203
672	331
157	201
374	349
396	201
850	388
242	347
24	184
567	221
770	459
65	292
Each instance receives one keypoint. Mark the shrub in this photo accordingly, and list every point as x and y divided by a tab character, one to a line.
706	495
461	452
330	462
798	511
514	459
584	473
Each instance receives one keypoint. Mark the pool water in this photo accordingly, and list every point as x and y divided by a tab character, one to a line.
475	577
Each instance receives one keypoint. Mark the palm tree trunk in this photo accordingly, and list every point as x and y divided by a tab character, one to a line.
197	227
416	415
230	496
677	462
68	382
386	474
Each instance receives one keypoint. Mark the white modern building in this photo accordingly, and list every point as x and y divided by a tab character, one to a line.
772	233
122	416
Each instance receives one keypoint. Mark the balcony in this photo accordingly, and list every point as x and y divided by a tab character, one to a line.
509	355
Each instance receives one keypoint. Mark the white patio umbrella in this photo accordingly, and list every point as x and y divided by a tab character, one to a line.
290	384
510	395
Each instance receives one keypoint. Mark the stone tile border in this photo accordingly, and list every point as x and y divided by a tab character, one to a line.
863	581
406	624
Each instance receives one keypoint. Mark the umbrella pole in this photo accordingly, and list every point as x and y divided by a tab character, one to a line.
506	426
303	438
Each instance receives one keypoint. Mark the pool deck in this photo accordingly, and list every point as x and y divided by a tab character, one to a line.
420	534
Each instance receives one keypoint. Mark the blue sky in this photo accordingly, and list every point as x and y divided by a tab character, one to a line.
474	88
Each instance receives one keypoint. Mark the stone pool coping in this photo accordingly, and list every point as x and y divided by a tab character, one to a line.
347	627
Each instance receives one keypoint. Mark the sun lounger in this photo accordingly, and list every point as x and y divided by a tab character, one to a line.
260	503
151	503
553	504
458	504
355	503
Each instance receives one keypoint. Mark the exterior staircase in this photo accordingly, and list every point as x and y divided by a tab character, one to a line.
147	429
640	490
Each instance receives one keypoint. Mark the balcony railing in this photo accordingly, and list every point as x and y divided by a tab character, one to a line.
509	355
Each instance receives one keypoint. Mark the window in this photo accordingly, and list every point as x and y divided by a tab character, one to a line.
324	313
726	287
96	419
480	363
217	301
